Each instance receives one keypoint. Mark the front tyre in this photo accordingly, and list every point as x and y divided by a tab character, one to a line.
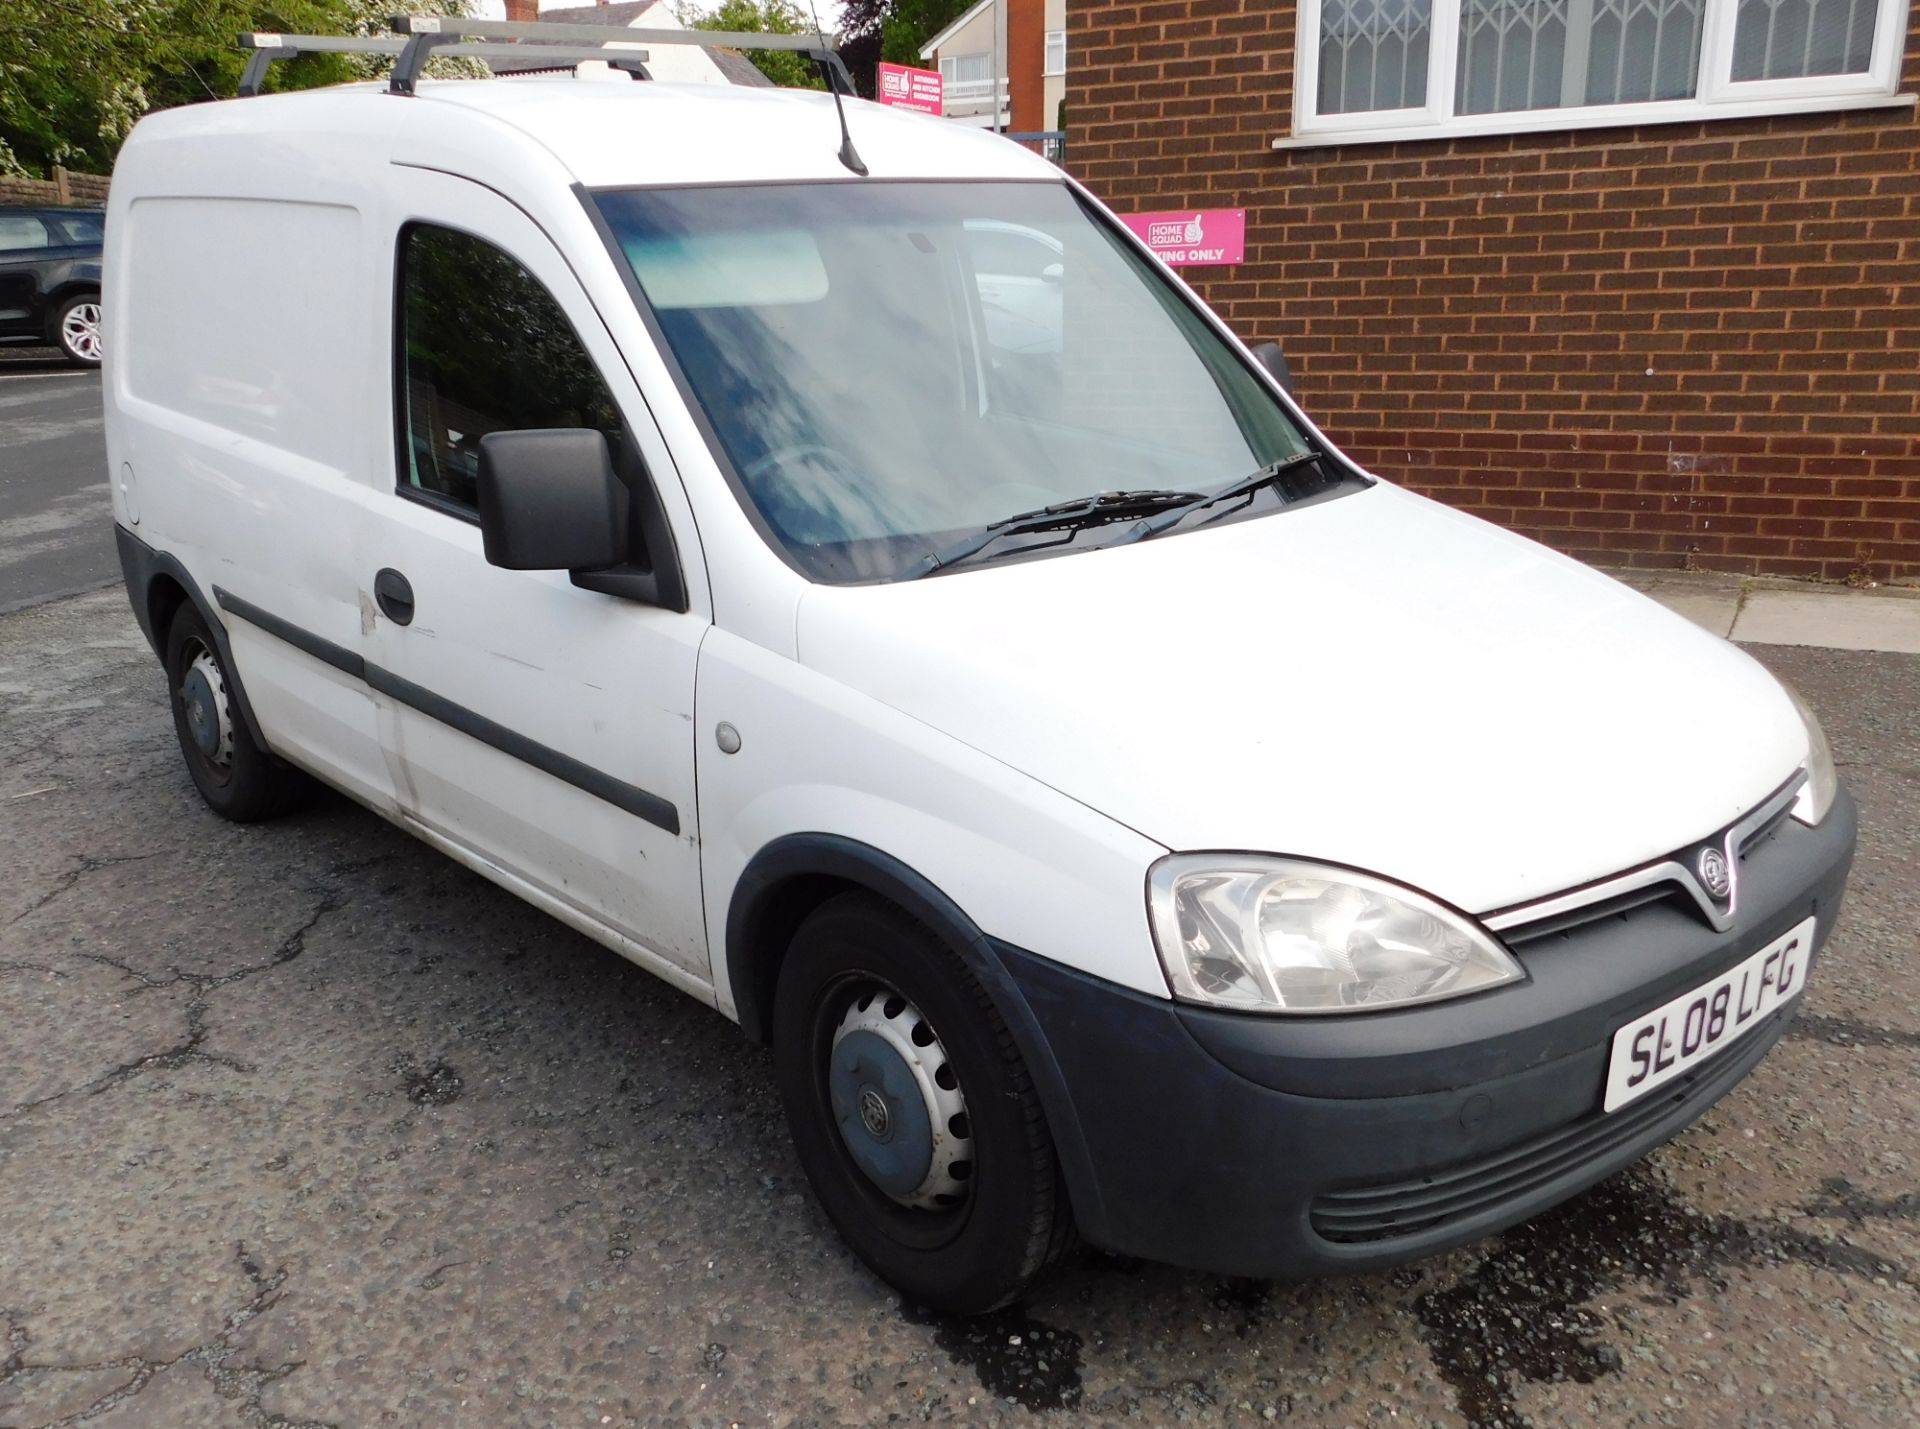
912	1112
238	779
76	330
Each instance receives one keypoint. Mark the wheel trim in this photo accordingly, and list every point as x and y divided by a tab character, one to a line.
905	1131
884	1121
939	1207
80	331
208	714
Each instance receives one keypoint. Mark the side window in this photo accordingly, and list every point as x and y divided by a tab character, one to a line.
21	230
82	227
483	348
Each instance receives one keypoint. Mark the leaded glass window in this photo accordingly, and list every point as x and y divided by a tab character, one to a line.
1402	69
1561	54
1373	54
1789	39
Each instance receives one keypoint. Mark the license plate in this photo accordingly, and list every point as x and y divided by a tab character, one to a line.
1695	1025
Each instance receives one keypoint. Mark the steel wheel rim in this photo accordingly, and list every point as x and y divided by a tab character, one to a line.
80	331
204	705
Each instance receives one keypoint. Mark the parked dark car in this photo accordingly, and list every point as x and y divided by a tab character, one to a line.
50	279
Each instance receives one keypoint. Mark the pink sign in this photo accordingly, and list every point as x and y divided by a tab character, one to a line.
909	88
1207	235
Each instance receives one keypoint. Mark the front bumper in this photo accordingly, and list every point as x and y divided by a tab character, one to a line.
1269	1146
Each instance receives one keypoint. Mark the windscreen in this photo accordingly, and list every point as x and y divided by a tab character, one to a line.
890	366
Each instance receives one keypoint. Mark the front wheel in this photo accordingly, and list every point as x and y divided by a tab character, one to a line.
76	330
912	1112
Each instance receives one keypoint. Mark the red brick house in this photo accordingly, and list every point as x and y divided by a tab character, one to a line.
1639	278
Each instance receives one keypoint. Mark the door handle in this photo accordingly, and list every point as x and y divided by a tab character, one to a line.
393	593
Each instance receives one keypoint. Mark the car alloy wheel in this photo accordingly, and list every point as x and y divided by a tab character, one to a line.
80	332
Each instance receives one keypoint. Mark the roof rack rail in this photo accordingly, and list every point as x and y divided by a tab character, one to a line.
432	32
269	48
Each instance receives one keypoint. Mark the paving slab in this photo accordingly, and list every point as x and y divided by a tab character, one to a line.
1838	620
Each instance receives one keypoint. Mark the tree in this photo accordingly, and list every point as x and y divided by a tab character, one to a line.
767	17
374	17
903	25
76	75
875	30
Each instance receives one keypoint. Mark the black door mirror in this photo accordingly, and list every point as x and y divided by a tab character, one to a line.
1269	356
549	501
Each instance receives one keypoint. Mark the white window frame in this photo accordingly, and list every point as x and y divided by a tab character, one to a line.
1055	38
1718	95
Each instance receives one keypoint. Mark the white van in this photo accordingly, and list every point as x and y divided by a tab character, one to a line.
1120	813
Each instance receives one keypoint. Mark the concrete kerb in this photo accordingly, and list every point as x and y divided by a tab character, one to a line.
1778	611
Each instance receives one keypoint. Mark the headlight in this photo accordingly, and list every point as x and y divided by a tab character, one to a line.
1277	935
1816	796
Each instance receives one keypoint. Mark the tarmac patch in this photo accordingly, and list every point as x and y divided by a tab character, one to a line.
1525	1313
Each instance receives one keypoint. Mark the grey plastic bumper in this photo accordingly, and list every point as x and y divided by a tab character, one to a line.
1274	1147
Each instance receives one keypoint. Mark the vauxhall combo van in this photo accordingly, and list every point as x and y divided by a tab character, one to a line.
818	553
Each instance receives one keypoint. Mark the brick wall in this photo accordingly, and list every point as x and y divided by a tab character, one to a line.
72	189
1026	63
1682	345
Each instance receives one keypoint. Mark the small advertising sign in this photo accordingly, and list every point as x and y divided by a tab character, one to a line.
909	88
1193	236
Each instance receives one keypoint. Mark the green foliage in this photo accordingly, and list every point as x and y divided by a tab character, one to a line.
772	17
76	75
373	18
906	25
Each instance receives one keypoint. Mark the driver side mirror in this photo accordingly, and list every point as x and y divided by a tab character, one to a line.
1269	356
562	499
549	501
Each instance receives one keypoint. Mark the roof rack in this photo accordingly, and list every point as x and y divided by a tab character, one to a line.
431	31
417	38
268	49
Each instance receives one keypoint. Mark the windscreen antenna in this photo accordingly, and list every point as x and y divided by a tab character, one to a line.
849	155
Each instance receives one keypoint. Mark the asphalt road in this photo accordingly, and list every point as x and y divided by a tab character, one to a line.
56	528
303	1124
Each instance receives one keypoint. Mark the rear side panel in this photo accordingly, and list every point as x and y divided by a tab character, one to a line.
244	400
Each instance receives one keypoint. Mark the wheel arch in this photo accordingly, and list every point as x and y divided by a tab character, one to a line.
790	877
157	586
71	286
74	284
794	875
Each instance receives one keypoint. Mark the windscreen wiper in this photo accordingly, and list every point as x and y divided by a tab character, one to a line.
1065	516
1245	486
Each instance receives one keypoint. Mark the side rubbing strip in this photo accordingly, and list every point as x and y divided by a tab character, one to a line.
324	650
636	801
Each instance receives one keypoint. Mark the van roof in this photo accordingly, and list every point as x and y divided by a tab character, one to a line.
613	133
639	132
